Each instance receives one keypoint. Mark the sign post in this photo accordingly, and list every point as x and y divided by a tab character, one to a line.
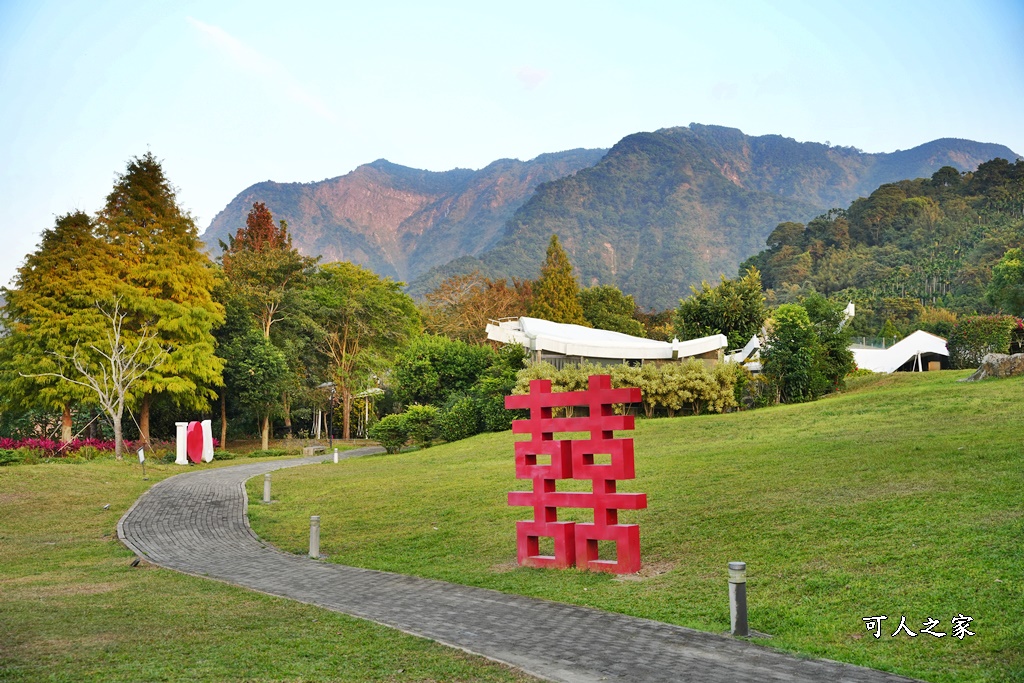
142	461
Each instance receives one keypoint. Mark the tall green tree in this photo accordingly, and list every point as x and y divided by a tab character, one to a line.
51	310
364	321
164	284
556	293
256	371
607	308
1006	289
788	360
835	360
433	368
734	308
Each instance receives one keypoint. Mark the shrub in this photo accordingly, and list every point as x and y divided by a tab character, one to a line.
421	421
390	432
9	457
224	455
461	420
973	337
269	453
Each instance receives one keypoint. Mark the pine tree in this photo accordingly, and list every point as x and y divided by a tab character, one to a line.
166	284
556	295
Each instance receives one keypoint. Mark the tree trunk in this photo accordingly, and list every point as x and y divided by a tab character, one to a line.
144	420
224	418
346	408
265	431
287	415
65	425
118	438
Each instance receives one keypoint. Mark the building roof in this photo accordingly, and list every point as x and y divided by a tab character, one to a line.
888	360
575	340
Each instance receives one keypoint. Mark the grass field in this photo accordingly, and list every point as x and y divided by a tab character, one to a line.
73	609
901	497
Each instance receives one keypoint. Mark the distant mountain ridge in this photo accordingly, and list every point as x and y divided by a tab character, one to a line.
657	213
668	209
396	220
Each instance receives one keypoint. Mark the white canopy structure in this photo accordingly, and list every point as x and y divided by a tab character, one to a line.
919	347
546	337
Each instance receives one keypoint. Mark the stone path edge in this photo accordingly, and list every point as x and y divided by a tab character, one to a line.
517	664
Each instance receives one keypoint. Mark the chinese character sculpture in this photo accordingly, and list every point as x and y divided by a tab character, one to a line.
576	543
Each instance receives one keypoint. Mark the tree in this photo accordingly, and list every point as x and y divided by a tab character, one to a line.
789	359
268	279
556	293
835	360
363	320
607	308
50	310
433	368
112	369
734	308
256	372
266	273
461	306
1006	289
165	284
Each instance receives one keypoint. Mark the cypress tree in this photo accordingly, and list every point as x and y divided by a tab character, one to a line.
556	295
166	283
49	312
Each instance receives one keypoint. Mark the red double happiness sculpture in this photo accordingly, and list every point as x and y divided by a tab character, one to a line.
576	543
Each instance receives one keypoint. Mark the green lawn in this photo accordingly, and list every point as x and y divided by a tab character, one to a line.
73	609
902	496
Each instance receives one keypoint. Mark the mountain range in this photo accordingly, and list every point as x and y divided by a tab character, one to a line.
656	213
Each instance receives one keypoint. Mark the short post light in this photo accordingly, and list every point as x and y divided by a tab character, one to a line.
266	487
738	598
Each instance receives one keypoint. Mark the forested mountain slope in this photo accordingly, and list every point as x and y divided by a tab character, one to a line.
665	210
914	243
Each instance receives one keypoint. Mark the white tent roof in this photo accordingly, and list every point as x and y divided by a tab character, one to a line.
888	360
575	340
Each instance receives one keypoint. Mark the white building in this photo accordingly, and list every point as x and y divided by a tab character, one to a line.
919	352
559	343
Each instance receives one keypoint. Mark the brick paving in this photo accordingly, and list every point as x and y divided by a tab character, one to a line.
196	523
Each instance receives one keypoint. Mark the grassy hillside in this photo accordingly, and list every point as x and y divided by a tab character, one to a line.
901	497
73	609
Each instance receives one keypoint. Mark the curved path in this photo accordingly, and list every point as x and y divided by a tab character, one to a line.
196	523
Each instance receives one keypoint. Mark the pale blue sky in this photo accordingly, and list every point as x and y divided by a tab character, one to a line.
232	93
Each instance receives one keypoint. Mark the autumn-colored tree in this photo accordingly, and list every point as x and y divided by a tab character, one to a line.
556	293
164	284
364	320
50	310
461	306
265	272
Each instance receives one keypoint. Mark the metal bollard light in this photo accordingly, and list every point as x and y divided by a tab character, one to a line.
266	487
335	456
738	598
314	536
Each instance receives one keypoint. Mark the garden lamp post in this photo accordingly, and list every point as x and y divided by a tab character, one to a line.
330	414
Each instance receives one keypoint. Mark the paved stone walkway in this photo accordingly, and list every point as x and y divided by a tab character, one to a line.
196	523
